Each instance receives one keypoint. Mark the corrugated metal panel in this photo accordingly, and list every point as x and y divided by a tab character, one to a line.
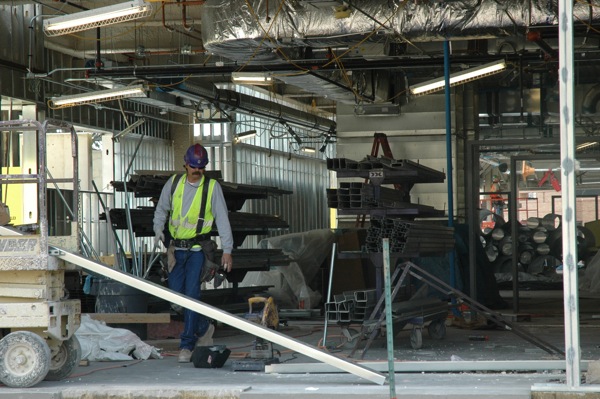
153	154
95	233
305	209
15	21
273	158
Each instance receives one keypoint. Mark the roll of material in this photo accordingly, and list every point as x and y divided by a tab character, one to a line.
534	222
492	252
542	249
551	222
506	246
498	234
526	254
540	235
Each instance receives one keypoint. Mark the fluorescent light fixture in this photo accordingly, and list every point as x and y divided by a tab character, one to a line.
98	96
458	78
308	149
244	136
584	146
254	78
97	17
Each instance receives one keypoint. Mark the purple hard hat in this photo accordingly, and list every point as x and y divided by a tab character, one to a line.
196	156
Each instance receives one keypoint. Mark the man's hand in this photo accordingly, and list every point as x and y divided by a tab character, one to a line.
159	236
227	262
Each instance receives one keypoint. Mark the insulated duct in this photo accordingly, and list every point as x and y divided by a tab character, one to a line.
237	30
590	100
231	100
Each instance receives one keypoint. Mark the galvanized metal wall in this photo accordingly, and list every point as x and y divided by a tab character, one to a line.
273	158
96	235
129	154
15	45
306	208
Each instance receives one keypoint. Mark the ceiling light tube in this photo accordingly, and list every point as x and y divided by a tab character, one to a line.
457	78
97	17
586	145
245	136
310	150
255	78
98	96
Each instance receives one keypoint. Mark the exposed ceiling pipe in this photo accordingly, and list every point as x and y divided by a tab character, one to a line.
314	64
188	28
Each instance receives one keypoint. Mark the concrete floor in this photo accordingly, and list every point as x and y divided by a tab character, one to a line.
165	378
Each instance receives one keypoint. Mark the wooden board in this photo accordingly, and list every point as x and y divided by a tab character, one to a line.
131	317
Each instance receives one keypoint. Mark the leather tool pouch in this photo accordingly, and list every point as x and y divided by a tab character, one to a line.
209	247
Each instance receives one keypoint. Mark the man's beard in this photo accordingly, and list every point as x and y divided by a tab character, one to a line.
196	173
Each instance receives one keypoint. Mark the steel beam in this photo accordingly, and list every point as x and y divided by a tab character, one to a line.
217	314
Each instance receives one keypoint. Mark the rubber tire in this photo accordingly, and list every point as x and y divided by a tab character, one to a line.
416	338
65	360
31	349
437	329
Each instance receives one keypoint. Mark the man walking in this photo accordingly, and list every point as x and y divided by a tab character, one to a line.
192	202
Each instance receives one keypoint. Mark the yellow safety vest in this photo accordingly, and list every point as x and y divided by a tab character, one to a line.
184	227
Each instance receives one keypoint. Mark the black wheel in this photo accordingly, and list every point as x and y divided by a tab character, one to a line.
416	338
437	329
64	360
24	359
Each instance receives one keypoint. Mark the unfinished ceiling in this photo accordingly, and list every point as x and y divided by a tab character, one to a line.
318	53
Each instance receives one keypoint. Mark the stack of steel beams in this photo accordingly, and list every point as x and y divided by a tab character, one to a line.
351	306
409	238
360	198
150	184
243	224
394	170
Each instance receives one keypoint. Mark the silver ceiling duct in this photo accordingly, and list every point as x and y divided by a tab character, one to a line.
316	84
241	30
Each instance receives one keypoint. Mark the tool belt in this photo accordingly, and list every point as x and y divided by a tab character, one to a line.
189	243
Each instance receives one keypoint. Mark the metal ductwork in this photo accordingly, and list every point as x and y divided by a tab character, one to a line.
236	30
316	84
590	100
231	100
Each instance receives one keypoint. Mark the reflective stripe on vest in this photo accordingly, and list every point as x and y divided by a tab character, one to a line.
184	227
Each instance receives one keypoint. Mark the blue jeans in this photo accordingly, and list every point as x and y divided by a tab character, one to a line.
185	279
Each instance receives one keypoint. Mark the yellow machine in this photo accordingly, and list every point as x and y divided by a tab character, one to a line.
262	353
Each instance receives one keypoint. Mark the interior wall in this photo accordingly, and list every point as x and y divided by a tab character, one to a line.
417	134
62	166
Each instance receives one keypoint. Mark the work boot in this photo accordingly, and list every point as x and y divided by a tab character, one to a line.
185	356
206	339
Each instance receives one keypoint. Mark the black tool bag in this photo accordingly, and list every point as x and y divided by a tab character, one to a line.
210	357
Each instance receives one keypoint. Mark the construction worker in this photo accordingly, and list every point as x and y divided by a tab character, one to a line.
192	202
497	198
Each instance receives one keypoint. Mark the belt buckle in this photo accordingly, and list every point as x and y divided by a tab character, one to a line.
181	243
